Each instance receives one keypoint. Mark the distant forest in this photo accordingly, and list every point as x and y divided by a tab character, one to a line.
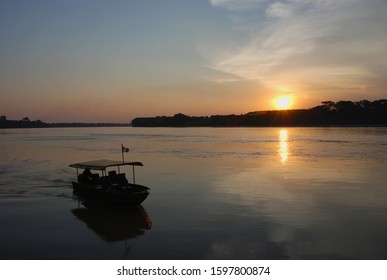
27	123
329	113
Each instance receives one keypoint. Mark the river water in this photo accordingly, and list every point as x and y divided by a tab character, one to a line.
216	193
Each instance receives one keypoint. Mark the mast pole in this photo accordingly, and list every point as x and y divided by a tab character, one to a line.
122	152
134	177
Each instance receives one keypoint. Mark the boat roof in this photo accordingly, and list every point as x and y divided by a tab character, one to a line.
102	164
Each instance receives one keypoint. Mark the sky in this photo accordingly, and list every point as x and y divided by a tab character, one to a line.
112	61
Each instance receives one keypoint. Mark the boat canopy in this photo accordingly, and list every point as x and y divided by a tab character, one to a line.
102	164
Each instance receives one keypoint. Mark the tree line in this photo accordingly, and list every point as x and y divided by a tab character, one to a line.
329	113
27	123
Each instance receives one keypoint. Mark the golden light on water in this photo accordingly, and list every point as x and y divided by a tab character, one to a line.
283	146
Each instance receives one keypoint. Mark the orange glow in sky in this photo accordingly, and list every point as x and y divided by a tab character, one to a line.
283	102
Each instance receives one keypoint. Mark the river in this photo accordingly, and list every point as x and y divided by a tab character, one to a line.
216	193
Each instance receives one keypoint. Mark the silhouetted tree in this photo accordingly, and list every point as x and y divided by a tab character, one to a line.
329	105
362	112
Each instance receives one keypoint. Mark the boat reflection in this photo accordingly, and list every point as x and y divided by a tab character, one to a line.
113	223
283	146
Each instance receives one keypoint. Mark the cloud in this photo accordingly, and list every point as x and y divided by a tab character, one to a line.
308	42
279	9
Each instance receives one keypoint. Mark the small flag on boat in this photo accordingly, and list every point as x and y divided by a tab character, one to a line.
124	149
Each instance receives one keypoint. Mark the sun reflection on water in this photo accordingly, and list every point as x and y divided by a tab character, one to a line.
283	147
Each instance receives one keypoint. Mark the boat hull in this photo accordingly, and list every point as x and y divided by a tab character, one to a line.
132	195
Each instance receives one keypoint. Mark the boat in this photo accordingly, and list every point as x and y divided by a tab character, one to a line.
111	185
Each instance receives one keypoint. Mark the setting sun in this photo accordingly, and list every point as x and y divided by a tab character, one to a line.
283	102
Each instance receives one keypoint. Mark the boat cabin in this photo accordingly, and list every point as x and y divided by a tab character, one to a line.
112	177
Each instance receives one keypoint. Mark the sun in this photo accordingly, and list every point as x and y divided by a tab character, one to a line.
283	102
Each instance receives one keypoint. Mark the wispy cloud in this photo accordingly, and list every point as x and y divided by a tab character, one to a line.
307	42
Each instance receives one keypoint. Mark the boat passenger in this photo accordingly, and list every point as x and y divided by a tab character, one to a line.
86	172
86	176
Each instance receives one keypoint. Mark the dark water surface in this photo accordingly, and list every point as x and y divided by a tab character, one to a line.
216	193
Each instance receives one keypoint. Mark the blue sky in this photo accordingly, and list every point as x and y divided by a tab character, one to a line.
115	60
